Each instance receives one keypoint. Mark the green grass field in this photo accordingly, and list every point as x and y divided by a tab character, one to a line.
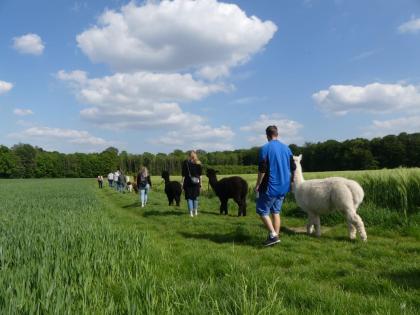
68	247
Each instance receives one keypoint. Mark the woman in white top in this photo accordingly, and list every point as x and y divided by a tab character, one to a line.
110	179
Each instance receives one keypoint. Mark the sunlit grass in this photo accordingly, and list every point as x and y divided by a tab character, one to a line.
68	247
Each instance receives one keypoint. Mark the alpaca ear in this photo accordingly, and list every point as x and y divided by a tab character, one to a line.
300	157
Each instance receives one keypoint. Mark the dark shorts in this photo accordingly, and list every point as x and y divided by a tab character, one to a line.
267	204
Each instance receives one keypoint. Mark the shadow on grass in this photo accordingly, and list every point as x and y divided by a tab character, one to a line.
234	237
153	213
409	279
133	205
292	231
302	231
209	212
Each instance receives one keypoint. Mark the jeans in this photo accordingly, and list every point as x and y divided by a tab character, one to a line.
192	204
143	194
100	183
266	204
110	182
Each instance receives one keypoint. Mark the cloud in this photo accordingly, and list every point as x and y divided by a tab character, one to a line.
207	37
71	136
29	44
78	6
5	87
199	137
288	129
412	26
78	76
138	100
145	100
363	55
22	112
140	87
248	100
380	128
374	97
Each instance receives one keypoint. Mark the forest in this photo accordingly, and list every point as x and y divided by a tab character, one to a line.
27	161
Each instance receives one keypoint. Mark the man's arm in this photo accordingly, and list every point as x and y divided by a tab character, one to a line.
262	169
259	180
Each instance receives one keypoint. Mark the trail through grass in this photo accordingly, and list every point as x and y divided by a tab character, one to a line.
68	247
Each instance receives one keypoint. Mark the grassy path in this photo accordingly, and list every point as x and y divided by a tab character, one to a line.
67	247
219	262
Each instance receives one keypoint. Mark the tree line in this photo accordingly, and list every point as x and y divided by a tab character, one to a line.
27	161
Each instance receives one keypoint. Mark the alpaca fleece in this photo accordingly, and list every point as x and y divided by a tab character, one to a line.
321	196
234	187
173	189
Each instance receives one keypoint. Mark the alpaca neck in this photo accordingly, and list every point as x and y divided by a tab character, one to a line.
213	182
298	176
166	179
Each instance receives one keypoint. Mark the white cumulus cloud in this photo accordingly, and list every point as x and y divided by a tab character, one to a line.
145	100
205	36
48	135
22	112
380	128
199	136
412	26
29	44
138	100
288	129
5	87
374	97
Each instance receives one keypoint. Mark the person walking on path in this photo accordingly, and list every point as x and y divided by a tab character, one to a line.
100	181
191	181
115	181
144	184
110	179
121	182
275	167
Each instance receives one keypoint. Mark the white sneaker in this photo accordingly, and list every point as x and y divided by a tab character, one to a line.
191	214
142	205
195	212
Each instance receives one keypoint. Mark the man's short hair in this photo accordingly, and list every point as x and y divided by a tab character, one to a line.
271	131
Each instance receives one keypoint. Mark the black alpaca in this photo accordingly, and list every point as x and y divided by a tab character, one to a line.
173	189
233	187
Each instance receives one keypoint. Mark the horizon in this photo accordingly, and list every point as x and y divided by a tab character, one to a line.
157	76
304	145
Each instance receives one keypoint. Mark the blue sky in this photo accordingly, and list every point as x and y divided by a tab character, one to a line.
156	75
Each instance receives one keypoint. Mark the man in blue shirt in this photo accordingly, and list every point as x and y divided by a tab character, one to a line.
275	164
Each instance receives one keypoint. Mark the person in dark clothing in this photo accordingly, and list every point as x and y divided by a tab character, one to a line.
191	181
121	182
143	184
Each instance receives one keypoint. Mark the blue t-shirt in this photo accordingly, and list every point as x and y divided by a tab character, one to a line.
274	161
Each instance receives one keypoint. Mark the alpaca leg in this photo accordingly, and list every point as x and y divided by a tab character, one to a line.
244	207
223	207
317	223
352	230
239	203
356	220
177	200
310	225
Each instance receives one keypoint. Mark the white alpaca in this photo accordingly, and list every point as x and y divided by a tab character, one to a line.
320	196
